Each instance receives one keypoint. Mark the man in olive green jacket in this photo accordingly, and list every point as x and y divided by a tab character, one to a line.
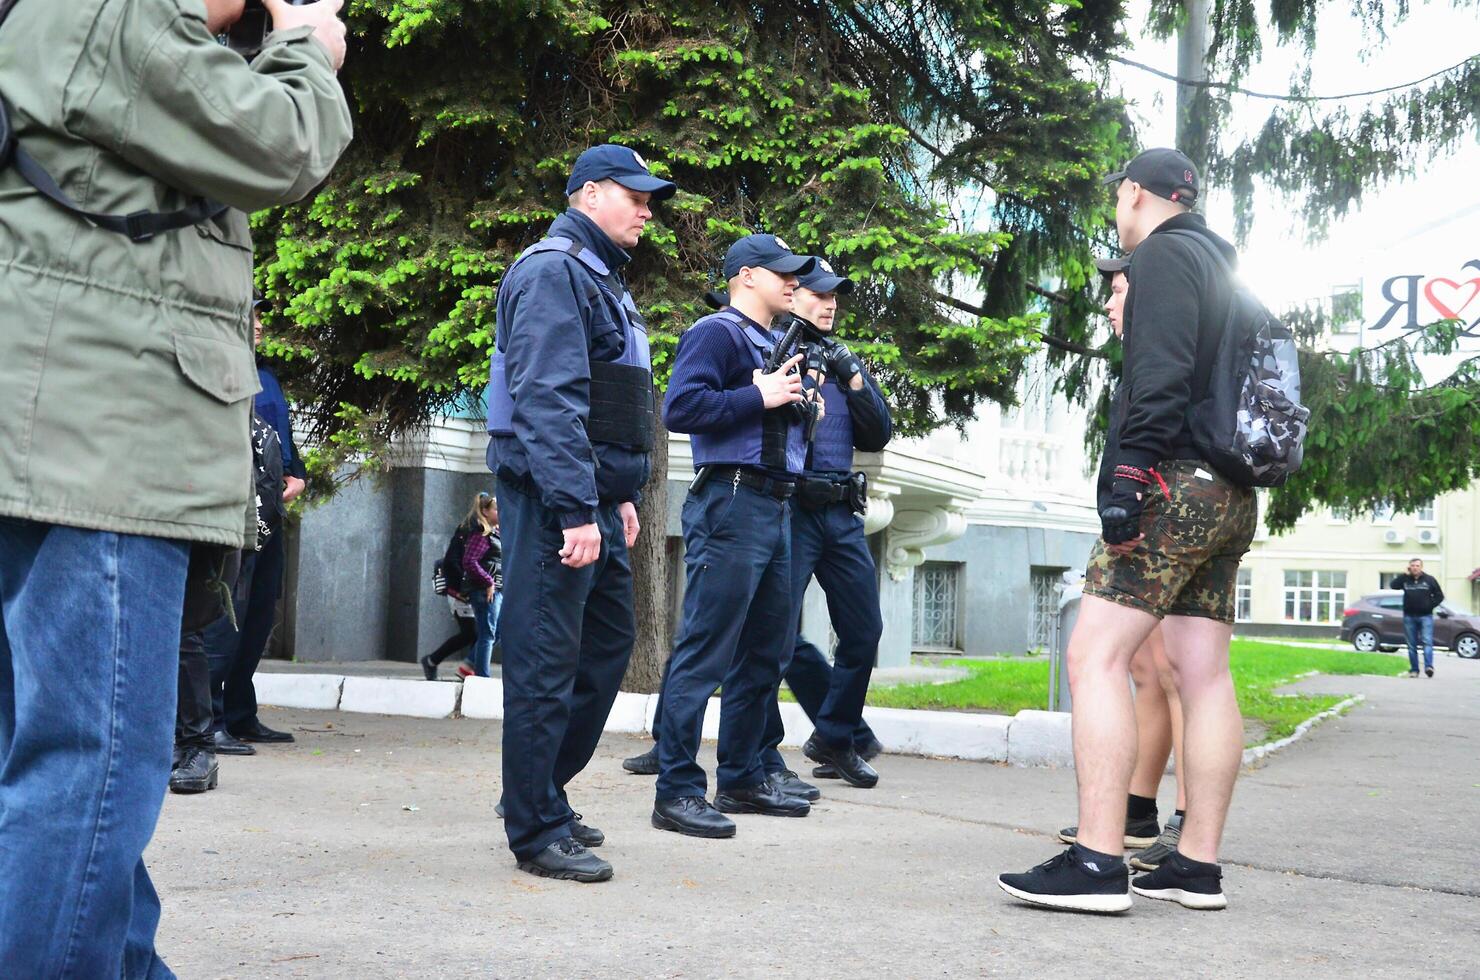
126	383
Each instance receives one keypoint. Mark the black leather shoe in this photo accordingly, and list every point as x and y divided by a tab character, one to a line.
788	783
428	668
569	860
763	799
870	750
588	836
259	732
197	771
693	816
846	761
643	765
224	744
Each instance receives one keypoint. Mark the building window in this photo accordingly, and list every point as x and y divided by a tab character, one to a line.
1314	597
1243	609
1341	515
1385	579
1045	615
1425	513
935	619
1383	513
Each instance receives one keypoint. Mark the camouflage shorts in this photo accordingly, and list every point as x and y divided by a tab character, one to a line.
1188	563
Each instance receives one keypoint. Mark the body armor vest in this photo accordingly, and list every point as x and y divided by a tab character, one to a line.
776	442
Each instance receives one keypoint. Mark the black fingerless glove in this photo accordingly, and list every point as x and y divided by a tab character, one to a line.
843	365
1120	520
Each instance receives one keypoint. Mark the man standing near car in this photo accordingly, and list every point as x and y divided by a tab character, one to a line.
126	384
1421	596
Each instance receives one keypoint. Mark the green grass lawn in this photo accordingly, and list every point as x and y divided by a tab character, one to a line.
1010	685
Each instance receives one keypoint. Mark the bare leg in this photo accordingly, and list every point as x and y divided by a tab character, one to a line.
1213	735
1153	720
1168	681
1105	637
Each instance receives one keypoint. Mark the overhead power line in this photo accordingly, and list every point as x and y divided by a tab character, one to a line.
1287	97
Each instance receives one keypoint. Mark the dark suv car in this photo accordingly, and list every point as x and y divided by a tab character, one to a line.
1375	622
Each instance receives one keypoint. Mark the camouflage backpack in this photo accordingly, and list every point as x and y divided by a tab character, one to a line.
1251	426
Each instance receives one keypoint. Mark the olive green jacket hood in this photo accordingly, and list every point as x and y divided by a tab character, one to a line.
126	368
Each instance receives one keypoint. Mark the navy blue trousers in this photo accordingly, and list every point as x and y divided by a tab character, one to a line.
738	623
234	653
567	636
830	543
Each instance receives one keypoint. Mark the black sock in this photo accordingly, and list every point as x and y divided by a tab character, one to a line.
1140	807
1181	813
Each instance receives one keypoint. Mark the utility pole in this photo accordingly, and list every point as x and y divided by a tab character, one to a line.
1193	101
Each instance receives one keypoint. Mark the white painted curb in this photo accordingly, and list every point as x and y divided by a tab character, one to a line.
393	696
318	691
948	734
482	697
1040	738
1261	752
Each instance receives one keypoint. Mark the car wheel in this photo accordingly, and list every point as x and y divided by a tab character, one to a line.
1365	639
1467	645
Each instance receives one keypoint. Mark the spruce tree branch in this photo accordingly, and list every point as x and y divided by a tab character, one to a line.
1049	339
1287	97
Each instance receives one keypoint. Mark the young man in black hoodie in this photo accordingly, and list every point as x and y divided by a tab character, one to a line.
1173	533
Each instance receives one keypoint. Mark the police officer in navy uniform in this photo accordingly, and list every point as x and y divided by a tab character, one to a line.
570	414
739	619
827	540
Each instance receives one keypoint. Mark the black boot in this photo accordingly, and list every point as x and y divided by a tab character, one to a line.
568	859
692	816
764	799
196	772
645	764
788	783
846	761
224	744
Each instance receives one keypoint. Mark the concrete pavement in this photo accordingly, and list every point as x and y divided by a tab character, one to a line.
370	849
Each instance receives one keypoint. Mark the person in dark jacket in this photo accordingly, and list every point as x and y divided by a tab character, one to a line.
570	416
234	651
1173	531
1421	596
739	620
481	564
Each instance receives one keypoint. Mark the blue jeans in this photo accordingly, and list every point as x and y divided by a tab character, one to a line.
89	652
1413	626
739	623
485	620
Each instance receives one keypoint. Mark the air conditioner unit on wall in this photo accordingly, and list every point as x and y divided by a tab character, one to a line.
1428	535
1392	536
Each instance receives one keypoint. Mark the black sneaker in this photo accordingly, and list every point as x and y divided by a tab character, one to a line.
428	668
588	836
788	783
1138	833
643	765
1165	846
1192	884
1069	880
1429	671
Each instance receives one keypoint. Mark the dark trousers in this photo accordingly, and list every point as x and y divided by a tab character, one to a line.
193	711
467	632
235	654
567	636
738	622
830	543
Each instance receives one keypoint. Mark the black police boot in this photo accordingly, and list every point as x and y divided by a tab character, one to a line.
643	765
588	836
258	732
870	750
846	761
224	744
764	799
692	816
788	783
569	860
196	772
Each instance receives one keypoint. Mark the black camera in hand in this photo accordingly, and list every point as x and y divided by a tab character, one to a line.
249	34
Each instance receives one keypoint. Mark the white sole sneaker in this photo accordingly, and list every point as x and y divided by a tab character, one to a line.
1186	899
1077	903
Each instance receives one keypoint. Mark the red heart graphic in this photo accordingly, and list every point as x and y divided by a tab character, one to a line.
1451	313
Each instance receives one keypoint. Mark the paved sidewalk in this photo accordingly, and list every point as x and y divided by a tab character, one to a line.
1351	853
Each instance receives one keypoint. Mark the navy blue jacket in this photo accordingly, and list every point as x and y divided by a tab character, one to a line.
272	405
552	322
712	388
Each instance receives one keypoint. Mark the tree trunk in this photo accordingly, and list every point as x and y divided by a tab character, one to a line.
650	577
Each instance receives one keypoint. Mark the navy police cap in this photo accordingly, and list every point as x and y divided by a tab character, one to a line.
822	279
1164	172
611	161
765	252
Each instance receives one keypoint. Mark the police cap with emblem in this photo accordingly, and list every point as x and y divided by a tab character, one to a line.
611	161
765	252
1164	172
822	279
